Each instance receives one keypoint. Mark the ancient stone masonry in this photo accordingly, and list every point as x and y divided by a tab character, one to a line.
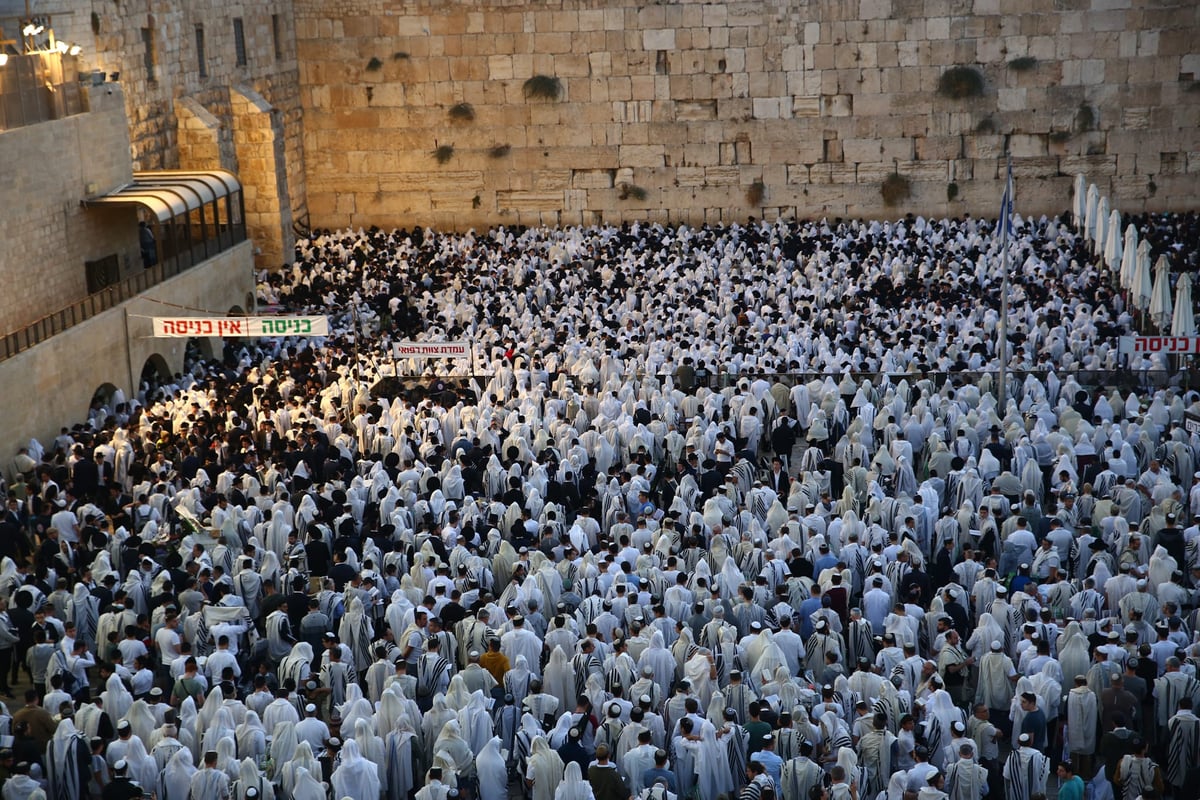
180	62
588	110
48	168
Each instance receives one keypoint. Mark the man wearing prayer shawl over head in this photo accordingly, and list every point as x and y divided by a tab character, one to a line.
545	770
492	771
68	761
1025	771
355	777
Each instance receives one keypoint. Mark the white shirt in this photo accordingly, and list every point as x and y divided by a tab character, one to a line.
167	640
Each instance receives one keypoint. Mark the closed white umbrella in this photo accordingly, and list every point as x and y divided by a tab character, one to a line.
1183	320
1139	293
1101	228
1112	240
1129	257
1079	201
1160	299
1089	211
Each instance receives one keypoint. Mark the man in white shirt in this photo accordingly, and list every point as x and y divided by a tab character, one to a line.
219	660
131	647
167	640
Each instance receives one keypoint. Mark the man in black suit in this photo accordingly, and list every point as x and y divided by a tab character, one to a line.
778	480
85	475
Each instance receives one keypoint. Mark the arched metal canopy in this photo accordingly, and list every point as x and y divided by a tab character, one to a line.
172	193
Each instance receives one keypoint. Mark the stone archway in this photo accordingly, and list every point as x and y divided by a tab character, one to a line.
102	402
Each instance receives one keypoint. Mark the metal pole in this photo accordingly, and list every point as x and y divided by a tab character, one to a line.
1004	225
1003	328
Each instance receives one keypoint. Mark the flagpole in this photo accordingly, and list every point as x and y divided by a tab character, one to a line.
1005	224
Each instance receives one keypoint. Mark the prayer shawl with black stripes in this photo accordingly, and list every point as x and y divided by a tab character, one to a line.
68	763
432	670
1025	774
1135	775
965	780
583	665
1169	690
799	776
1184	750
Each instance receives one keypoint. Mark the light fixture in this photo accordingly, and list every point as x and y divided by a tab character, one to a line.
3	59
62	46
75	50
29	30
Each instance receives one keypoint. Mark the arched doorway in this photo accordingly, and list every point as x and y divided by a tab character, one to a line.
155	373
103	401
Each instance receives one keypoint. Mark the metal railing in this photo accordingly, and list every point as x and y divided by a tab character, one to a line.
107	298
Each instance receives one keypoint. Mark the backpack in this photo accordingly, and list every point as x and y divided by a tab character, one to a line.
69	682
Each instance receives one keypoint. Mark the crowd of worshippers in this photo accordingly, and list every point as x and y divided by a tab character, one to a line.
602	577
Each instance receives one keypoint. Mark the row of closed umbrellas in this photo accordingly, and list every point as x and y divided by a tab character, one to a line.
1125	255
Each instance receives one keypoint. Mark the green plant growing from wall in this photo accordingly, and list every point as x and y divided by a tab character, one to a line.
374	65
895	189
542	87
755	193
462	112
1085	118
1022	64
630	191
399	55
443	153
986	125
951	192
500	150
1058	137
960	83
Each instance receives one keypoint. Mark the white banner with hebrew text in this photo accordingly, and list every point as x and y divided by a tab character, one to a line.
253	327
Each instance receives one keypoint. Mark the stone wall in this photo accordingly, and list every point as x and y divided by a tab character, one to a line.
165	131
694	111
48	169
51	385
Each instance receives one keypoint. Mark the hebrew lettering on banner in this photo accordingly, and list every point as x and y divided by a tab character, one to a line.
457	350
240	326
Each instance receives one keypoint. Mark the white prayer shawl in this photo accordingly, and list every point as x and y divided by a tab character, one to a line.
1025	774
492	772
62	762
307	786
1184	746
400	745
547	768
210	783
142	768
141	720
356	777
573	786
1081	720
475	722
287	771
117	699
965	780
175	782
